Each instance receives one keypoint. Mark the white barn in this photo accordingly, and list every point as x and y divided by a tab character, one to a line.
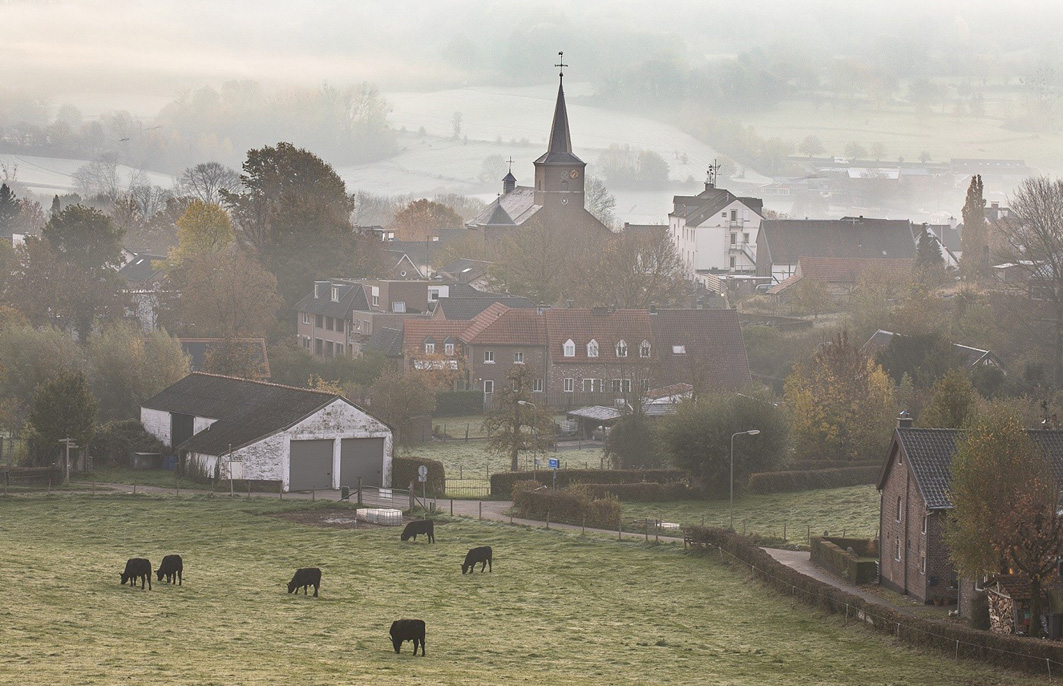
260	431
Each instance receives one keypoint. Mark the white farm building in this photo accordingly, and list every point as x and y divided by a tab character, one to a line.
299	438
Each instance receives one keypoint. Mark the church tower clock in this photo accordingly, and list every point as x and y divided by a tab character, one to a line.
559	175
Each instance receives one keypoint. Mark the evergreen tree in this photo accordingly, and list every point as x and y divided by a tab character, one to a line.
62	408
9	209
975	240
929	263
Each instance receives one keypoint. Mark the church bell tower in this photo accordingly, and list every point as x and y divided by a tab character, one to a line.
560	175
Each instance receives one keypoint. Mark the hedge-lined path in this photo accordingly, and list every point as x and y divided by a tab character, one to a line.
801	561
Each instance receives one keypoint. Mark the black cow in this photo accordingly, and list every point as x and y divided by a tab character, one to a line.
481	555
137	568
420	526
172	568
305	577
407	630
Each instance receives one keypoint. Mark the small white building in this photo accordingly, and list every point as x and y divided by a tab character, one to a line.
259	431
716	231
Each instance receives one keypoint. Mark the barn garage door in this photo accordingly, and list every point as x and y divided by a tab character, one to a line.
361	457
310	465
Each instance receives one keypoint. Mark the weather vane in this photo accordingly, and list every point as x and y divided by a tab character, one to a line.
561	64
510	160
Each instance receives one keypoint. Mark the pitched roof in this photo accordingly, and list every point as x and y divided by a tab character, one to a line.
351	297
386	340
519	205
246	411
141	269
597	324
971	356
713	337
415	331
929	455
788	240
197	349
501	325
465	309
560	147
843	270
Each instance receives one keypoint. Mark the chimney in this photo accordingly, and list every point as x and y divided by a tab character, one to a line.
904	420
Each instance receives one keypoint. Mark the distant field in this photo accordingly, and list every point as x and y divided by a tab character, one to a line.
471	459
558	608
852	510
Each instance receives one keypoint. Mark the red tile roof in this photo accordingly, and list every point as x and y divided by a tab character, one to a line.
415	331
511	326
607	328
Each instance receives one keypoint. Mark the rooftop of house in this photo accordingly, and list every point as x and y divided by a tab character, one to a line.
416	332
788	240
387	340
602	325
465	309
844	270
711	337
501	325
971	356
245	411
141	269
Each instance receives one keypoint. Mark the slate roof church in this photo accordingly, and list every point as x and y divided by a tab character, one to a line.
558	196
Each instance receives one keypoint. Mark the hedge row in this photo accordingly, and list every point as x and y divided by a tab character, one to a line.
786	482
458	403
643	492
404	471
952	639
573	506
502	482
815	465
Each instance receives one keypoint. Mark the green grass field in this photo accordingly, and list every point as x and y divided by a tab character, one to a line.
558	608
852	510
470	460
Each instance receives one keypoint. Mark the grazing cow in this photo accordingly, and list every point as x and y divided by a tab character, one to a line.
420	526
137	568
305	577
172	568
481	555
407	630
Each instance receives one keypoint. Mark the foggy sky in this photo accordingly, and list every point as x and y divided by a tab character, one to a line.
62	50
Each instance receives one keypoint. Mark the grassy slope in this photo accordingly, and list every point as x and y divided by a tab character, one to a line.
557	609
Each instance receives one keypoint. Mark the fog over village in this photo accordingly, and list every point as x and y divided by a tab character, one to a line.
731	333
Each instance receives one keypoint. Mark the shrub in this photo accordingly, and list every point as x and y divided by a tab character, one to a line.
573	505
786	482
115	440
458	403
502	482
812	465
404	470
644	492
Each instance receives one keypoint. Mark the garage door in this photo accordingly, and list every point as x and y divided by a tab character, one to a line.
310	465
361	457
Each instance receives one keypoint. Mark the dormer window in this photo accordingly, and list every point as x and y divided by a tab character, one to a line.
569	348
429	348
644	349
621	348
448	348
592	349
335	294
679	350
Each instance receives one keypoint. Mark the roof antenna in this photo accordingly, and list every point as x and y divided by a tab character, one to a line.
711	173
561	64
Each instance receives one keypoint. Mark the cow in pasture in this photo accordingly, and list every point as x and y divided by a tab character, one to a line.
137	568
420	526
304	578
480	555
407	630
172	568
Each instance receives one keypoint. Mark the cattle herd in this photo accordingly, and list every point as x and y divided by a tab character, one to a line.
402	630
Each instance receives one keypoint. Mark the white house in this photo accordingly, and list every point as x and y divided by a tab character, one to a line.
716	231
258	431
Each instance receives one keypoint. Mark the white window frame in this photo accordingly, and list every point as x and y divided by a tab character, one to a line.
645	349
518	357
448	348
429	348
899	511
897	551
922	562
595	385
489	357
335	294
537	385
570	385
489	386
621	348
568	349
925	518
679	350
399	307
592	348
306	317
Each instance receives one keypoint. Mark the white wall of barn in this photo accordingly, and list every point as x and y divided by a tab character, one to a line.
156	423
269	459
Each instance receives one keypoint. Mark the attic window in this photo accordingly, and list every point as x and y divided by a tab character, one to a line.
592	349
335	294
569	348
429	348
679	350
621	348
448	348
644	349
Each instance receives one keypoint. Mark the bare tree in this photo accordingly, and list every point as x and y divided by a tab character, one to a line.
206	181
1033	240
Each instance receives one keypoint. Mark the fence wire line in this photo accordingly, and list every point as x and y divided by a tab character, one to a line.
885	622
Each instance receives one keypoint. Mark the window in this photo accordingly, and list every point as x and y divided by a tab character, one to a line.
319	346
448	348
489	357
897	551
922	562
306	317
335	294
398	306
376	301
489	386
330	349
570	385
317	290
898	508
733	262
645	385
616	385
621	385
306	342
679	350
734	238
329	323
340	350
518	357
644	349
734	215
592	349
745	238
433	294
724	214
320	320
429	348
569	348
621	348
537	385
592	385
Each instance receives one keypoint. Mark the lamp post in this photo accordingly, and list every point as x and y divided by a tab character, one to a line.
534	433
751	432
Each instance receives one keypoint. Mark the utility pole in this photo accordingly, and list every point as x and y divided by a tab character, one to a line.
69	443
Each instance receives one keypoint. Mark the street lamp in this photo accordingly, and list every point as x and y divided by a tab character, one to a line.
535	436
751	432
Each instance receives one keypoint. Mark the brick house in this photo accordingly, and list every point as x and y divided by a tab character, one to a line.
498	339
914	503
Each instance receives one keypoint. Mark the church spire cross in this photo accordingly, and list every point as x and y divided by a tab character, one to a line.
510	160
561	64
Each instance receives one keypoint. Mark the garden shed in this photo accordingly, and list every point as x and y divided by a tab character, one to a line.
295	438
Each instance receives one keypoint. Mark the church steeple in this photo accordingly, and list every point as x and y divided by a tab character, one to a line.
559	173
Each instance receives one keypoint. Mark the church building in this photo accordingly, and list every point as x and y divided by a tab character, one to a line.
556	200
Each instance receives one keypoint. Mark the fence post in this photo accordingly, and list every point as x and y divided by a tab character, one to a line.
93	488
451	507
702	520
620	530
313	493
480	509
784	532
358	500
583	526
646	526
280	491
548	519
808	534
657	530
466	433
248	482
